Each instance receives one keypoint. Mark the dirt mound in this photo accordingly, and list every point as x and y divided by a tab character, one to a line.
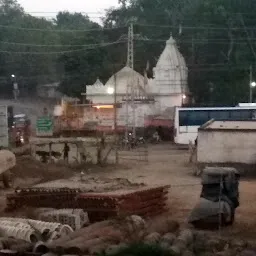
27	167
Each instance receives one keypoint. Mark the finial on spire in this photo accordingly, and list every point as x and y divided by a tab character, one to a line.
171	40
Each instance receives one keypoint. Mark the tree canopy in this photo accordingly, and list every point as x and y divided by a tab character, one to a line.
216	38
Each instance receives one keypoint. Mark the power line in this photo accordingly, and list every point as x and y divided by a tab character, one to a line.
60	52
204	41
191	27
195	41
53	45
65	11
59	30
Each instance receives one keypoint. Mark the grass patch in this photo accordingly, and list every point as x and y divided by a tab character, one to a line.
141	249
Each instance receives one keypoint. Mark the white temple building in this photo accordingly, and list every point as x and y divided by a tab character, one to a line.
167	89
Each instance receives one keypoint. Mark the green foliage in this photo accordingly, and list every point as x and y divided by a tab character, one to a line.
217	39
141	249
213	36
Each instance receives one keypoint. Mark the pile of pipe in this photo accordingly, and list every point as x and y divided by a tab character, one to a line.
32	231
75	218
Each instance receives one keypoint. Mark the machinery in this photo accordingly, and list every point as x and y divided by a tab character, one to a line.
219	198
8	161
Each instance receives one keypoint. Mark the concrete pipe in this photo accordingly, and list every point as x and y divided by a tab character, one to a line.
65	230
15	224
40	226
41	248
7	252
49	254
25	234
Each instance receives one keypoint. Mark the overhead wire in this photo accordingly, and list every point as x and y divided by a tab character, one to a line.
62	52
192	27
59	30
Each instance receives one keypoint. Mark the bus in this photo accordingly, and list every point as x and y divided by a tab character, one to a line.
188	120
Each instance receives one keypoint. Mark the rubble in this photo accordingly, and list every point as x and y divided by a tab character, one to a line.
111	236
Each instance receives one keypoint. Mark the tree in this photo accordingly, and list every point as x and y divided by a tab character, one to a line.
211	35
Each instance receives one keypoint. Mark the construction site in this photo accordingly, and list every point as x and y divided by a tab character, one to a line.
100	177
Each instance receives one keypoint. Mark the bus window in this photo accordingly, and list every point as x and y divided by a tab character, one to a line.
240	114
254	115
198	117
220	115
183	118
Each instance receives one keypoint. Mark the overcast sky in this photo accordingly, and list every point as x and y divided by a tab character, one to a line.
48	8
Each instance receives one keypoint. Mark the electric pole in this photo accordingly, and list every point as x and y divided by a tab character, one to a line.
131	87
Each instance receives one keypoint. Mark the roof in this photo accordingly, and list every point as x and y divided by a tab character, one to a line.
229	125
171	57
126	76
57	84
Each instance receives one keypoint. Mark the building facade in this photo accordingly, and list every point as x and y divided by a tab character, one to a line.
140	97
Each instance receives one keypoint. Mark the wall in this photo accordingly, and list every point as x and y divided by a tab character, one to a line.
169	101
226	147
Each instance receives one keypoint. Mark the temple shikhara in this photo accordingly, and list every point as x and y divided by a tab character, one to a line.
138	97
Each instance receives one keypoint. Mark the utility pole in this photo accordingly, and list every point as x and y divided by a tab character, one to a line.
115	120
130	64
130	87
250	84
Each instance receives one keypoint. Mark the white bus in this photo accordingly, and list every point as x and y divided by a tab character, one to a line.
188	120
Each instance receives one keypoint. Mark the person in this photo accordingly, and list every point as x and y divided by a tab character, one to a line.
156	136
66	152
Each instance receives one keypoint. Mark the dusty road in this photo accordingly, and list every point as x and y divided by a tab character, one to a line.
167	165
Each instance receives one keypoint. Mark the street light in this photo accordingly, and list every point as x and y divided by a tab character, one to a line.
253	84
110	90
13	76
184	96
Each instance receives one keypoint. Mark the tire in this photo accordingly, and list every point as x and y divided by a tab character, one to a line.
7	179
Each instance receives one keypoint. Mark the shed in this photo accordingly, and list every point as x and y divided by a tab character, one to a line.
227	142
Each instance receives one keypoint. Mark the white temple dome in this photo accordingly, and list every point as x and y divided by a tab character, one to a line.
126	76
171	57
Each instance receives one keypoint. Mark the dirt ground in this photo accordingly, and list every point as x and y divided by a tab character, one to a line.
167	165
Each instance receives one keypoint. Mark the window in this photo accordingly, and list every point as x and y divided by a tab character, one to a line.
193	117
220	115
197	117
240	114
183	118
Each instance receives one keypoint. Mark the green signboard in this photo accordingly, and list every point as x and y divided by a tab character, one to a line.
44	127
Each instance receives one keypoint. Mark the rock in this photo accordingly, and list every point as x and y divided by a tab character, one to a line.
206	254
186	236
248	253
164	245
137	221
163	226
226	253
216	245
238	244
113	249
96	250
188	253
175	250
152	238
168	238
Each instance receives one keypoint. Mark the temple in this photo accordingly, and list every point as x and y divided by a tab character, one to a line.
138	96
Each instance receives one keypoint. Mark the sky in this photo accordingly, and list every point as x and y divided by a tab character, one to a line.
48	8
